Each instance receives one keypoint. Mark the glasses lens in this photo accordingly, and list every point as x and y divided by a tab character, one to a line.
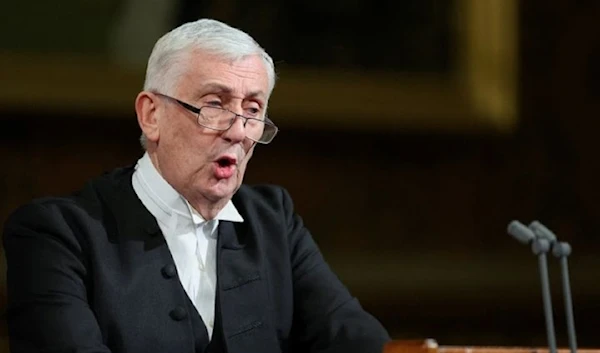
221	119
214	118
268	133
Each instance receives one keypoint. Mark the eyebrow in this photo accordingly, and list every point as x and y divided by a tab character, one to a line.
217	87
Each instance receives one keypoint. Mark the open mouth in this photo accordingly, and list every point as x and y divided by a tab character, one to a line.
226	161
225	167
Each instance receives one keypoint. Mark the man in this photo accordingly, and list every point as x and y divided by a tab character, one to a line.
174	254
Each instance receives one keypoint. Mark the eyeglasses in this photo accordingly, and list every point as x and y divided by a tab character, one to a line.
220	119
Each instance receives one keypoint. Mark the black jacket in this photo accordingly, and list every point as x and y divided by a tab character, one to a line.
93	273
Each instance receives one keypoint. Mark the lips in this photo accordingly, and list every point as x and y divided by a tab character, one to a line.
226	161
225	166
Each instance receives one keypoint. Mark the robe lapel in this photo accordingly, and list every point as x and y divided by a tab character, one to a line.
132	221
243	295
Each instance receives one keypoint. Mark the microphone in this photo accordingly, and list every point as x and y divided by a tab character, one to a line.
539	246
541	231
561	250
520	232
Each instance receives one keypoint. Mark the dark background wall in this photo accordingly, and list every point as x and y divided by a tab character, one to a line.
413	220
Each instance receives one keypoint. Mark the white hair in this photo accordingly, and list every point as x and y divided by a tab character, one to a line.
207	35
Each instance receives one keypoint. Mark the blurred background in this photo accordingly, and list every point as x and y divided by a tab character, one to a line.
411	133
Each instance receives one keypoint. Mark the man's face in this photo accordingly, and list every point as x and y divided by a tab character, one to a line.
198	162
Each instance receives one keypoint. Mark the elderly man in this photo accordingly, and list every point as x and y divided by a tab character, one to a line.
174	254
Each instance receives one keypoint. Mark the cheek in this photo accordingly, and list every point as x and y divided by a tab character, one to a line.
249	147
244	163
249	154
188	145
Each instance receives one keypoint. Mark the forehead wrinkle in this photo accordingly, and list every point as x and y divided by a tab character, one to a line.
216	87
207	73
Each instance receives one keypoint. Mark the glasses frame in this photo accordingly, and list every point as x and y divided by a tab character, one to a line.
197	110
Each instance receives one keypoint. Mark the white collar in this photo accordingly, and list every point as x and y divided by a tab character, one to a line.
166	202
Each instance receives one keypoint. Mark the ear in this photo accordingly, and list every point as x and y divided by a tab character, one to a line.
147	115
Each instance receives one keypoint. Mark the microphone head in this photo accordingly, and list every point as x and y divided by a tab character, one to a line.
520	232
540	246
541	231
561	249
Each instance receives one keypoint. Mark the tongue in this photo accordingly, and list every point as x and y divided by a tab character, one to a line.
224	170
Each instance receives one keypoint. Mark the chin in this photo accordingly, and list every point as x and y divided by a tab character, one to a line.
224	188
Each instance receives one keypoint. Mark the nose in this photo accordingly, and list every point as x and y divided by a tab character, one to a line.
237	132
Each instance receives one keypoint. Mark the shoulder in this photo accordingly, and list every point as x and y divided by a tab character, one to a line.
85	204
264	197
266	203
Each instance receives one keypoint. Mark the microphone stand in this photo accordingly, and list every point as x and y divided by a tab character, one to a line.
540	247
562	250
